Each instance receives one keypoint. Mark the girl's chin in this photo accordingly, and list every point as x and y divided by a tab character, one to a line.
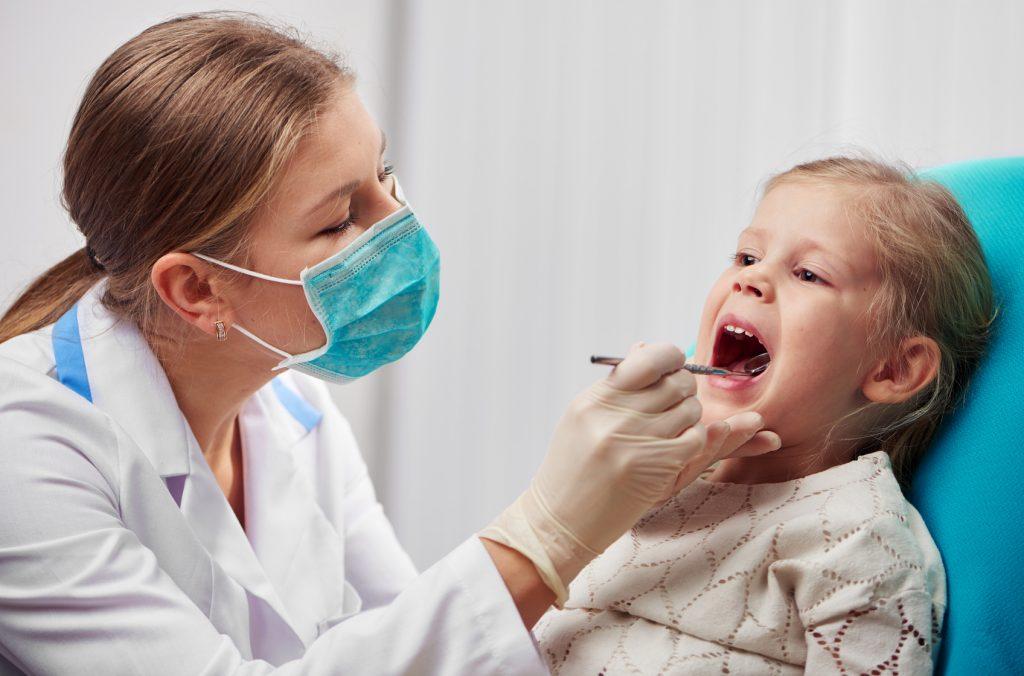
729	402
715	411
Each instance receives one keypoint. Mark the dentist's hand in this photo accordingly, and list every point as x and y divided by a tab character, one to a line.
624	445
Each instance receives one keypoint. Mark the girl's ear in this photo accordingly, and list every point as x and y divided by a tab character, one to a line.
909	369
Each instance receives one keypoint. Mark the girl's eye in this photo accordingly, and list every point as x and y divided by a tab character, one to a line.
806	275
743	260
388	170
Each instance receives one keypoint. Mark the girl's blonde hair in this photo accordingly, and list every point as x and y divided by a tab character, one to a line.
177	142
934	283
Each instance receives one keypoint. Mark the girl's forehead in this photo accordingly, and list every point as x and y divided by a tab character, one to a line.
814	218
803	203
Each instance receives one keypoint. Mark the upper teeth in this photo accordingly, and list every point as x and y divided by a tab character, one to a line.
738	330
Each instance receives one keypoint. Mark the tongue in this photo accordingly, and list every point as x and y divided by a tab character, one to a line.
737	365
750	363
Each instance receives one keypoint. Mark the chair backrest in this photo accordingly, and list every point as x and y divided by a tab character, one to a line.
970	485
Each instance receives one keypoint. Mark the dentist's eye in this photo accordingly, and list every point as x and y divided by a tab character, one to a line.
338	229
388	170
743	259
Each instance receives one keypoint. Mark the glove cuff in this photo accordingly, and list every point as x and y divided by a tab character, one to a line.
530	528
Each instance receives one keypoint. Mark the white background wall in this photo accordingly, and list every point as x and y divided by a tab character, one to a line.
584	167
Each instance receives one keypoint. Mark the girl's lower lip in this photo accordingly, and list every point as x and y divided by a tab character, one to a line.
736	382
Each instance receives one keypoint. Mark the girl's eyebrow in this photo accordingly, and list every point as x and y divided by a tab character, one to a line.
807	244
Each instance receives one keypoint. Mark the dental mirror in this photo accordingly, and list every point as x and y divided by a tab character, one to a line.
752	367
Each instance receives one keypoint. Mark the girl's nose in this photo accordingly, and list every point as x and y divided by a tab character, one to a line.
753	285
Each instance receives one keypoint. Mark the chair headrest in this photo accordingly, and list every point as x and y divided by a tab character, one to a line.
969	485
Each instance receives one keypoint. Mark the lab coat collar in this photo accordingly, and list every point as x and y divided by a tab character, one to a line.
289	555
204	507
300	549
129	384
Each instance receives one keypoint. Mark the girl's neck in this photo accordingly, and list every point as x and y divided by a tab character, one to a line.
786	464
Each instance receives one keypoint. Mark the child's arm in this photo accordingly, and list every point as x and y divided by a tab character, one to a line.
889	635
866	601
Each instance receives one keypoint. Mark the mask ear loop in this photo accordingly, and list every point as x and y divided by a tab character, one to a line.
276	350
222	335
221	331
251	273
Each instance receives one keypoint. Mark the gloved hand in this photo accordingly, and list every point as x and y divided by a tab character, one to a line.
626	444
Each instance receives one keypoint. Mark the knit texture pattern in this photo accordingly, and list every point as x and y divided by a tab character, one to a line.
831	573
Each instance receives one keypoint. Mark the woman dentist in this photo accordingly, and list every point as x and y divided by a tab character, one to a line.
174	501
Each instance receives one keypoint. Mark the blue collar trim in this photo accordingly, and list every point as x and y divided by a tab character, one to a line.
67	353
72	373
299	408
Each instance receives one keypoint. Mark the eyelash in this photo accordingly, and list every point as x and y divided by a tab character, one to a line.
340	228
737	259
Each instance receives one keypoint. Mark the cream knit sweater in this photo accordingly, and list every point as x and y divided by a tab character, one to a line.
831	573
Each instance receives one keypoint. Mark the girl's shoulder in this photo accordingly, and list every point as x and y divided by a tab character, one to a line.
862	542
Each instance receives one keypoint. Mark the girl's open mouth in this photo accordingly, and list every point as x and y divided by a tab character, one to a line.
736	342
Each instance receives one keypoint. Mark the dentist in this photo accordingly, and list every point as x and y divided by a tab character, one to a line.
180	495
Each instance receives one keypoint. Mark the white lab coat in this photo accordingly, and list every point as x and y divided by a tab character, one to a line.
119	553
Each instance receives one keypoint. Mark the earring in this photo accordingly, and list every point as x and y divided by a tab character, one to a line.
222	334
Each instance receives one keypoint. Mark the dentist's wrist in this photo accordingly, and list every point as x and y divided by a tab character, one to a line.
529	592
529	528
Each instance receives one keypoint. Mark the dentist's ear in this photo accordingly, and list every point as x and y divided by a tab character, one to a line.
907	371
190	288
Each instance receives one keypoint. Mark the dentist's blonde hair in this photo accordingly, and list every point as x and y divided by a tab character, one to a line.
934	283
177	142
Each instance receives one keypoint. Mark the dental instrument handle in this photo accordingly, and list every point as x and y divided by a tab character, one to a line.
701	370
697	369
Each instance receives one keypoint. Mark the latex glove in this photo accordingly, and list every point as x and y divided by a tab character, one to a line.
624	445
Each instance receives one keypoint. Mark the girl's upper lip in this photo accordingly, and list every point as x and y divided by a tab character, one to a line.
734	320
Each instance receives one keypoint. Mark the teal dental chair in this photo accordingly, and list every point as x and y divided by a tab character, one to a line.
970	485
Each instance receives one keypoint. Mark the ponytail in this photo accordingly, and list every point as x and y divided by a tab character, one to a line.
180	136
50	296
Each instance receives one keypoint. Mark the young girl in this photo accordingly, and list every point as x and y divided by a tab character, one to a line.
868	289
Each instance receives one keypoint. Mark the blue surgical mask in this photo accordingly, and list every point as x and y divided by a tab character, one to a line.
375	299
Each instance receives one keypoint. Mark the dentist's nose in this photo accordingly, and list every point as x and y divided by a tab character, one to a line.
382	202
751	284
386	201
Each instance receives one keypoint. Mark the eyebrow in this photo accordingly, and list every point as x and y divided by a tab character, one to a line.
350	187
830	257
808	244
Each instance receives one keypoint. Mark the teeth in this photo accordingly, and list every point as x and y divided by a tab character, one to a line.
738	331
